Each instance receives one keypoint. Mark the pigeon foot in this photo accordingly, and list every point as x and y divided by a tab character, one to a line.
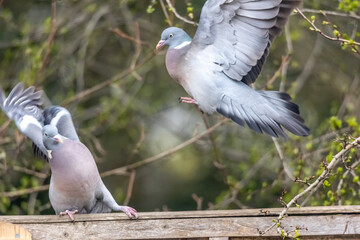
70	214
130	212
187	100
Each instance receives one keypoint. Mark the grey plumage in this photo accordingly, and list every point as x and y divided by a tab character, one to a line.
226	55
75	181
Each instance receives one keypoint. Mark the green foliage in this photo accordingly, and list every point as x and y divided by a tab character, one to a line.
335	123
326	183
349	5
190	10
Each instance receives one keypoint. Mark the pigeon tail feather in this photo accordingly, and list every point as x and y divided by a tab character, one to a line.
274	113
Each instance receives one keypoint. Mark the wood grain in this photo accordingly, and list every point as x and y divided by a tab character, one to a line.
341	222
10	231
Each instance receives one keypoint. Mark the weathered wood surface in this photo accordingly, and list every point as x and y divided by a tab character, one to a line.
9	231
341	222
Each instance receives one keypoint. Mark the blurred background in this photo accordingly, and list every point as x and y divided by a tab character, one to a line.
97	59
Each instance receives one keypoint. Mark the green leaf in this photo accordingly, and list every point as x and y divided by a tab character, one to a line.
335	123
340	170
283	233
326	183
356	179
329	157
352	122
150	9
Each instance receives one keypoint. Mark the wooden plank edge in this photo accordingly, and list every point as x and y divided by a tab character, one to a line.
270	212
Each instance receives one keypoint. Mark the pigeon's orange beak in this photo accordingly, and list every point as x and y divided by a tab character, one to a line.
58	138
160	45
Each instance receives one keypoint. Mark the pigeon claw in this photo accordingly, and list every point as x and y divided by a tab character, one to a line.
69	213
130	212
187	100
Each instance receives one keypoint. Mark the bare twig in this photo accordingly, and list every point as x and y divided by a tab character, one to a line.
284	61
347	15
24	191
231	196
309	66
218	162
198	200
33	197
26	170
352	90
124	35
106	83
163	7
138	144
282	160
89	29
337	38
173	9
4	127
50	40
130	187
354	165
137	51
285	66
159	156
303	203
328	168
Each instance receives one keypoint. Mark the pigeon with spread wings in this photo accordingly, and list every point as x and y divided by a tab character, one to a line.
226	55
75	184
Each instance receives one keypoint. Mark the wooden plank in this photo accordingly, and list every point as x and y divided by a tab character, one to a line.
188	214
10	231
313	222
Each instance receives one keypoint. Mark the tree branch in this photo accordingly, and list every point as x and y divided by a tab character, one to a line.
106	83
173	9
337	38
163	7
24	191
333	13
50	40
130	187
159	156
335	160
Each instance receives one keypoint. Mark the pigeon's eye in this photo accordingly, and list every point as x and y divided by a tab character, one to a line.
171	35
45	134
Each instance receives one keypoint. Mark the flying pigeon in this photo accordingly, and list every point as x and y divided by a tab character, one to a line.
226	55
75	184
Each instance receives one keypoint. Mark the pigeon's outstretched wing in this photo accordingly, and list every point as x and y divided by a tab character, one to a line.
238	34
24	107
61	119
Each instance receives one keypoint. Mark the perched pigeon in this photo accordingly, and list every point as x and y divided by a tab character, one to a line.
226	56
75	184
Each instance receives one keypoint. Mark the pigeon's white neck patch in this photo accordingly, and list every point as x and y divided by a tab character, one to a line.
182	44
59	115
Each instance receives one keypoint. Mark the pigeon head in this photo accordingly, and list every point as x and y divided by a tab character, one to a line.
51	137
173	37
